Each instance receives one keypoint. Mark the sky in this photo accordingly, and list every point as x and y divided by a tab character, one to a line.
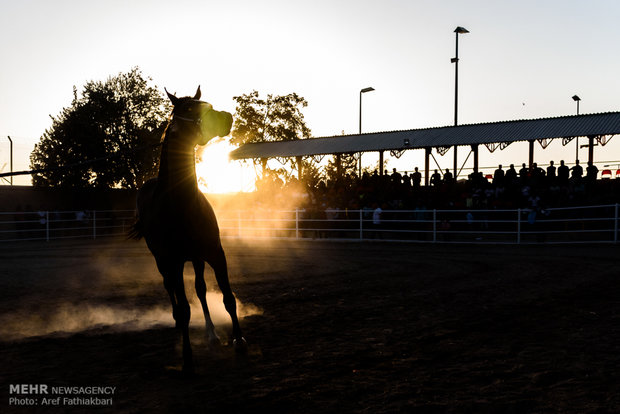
521	60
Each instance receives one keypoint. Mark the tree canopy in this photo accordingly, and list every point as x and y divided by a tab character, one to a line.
277	118
122	118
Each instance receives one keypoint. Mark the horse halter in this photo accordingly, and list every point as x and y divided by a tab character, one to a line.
197	121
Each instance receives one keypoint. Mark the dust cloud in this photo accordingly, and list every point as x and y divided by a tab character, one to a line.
270	212
114	286
72	318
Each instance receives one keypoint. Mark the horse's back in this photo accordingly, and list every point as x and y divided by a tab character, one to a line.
186	227
143	200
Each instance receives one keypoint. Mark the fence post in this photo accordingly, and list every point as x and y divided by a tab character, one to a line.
296	223
616	225
94	224
239	223
519	226
47	226
361	226
434	225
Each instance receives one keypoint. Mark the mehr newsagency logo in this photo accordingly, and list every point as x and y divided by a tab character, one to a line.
45	395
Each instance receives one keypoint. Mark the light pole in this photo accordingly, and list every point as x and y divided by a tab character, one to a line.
459	30
577	99
11	153
369	89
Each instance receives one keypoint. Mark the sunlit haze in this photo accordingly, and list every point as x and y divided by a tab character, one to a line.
521	60
216	173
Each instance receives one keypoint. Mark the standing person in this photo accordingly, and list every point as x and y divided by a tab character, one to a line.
436	179
511	175
416	178
447	177
396	178
376	220
563	173
551	171
406	181
498	176
591	172
523	172
576	172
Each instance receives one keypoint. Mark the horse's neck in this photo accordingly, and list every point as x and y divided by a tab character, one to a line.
177	168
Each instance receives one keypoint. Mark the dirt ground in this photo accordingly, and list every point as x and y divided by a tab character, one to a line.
331	327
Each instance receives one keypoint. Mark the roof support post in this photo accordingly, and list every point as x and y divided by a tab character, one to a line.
591	149
531	152
338	166
474	149
456	166
299	168
360	165
263	164
380	162
427	152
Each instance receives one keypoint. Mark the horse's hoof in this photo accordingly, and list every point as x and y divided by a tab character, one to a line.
188	370
240	345
213	342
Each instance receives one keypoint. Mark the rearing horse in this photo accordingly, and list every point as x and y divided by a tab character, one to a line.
177	221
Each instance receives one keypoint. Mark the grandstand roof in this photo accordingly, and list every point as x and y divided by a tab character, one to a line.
486	133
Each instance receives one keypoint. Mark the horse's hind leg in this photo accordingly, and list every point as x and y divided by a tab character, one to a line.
201	292
218	262
184	316
173	281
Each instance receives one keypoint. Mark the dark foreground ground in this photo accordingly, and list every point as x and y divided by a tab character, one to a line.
331	327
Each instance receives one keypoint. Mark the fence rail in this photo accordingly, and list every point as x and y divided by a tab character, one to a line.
591	224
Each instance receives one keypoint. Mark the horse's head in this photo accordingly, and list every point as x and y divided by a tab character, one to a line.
206	122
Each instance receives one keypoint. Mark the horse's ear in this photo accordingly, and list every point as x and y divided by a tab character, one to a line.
172	98
197	96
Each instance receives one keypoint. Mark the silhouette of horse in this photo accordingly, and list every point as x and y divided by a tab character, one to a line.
177	221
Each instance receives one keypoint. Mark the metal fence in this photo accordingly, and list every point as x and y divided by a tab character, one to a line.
591	224
53	225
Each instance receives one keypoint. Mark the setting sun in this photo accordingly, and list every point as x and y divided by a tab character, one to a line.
216	173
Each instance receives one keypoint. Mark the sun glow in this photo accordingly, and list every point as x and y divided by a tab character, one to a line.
218	174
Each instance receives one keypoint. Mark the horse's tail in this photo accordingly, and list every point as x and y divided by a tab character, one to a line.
136	231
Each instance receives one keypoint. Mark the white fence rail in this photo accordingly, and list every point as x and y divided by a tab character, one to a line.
592	224
53	225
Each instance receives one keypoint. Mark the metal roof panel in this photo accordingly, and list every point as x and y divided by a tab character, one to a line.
484	133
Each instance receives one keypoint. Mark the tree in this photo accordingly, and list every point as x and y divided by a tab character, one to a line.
348	166
277	118
120	120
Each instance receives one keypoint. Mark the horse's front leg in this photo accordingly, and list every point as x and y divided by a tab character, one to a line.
201	292
218	263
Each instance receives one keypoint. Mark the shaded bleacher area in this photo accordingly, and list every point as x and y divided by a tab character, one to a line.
391	192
